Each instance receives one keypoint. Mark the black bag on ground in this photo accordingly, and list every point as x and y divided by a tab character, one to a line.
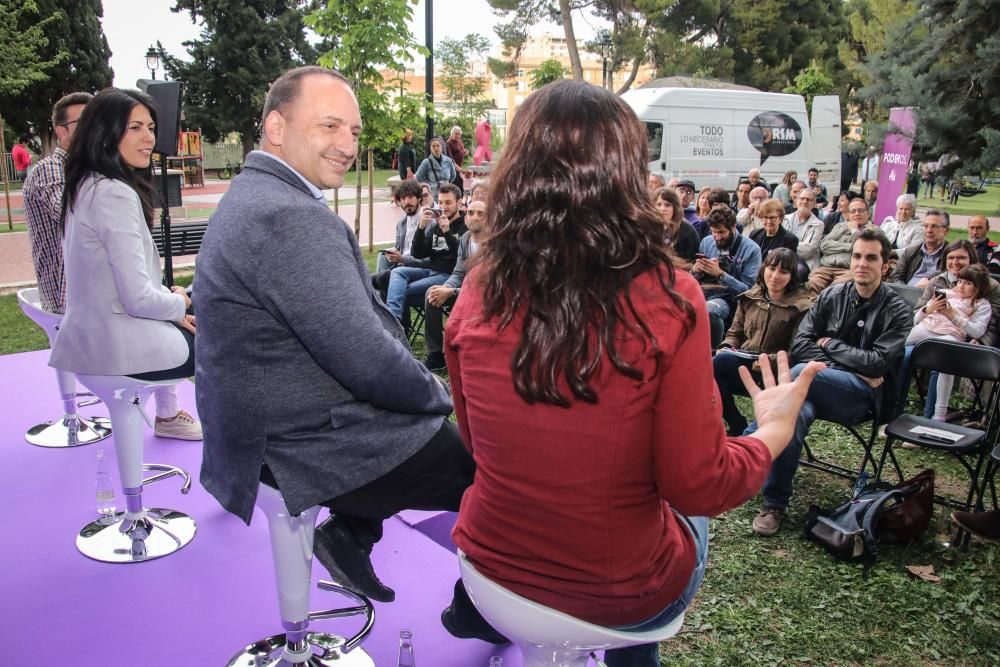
877	515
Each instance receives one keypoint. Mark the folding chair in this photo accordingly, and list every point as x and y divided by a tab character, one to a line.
969	446
867	444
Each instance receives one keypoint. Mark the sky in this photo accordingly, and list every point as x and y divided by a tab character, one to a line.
132	26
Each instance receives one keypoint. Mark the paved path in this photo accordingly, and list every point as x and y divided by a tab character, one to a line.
16	269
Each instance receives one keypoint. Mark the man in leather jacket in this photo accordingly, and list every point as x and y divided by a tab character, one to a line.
859	330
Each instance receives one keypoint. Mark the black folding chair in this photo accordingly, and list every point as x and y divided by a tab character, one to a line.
969	446
989	480
867	443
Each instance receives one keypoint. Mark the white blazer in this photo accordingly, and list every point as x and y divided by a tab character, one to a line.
118	312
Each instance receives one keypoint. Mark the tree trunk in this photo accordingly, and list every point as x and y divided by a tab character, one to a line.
565	14
246	138
631	76
371	200
357	197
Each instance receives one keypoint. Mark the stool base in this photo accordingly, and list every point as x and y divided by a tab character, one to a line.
159	533
326	653
71	432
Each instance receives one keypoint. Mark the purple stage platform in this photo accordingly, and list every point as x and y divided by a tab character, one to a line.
198	606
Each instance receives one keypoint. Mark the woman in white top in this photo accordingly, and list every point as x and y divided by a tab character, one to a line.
120	319
905	228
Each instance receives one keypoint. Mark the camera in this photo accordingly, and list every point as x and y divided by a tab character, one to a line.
725	262
437	211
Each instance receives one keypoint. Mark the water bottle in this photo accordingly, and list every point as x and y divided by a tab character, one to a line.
406	650
105	490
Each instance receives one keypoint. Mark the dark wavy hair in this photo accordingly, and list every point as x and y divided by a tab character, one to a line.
571	226
785	259
94	149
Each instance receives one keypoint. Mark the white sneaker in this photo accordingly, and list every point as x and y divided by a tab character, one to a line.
181	427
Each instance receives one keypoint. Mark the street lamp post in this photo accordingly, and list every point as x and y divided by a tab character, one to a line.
152	62
605	52
429	68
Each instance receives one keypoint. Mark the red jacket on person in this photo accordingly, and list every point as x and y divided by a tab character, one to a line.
572	507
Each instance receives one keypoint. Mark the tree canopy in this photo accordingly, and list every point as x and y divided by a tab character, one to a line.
945	60
244	45
465	90
70	55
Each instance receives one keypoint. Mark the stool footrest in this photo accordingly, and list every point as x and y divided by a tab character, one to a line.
365	607
166	471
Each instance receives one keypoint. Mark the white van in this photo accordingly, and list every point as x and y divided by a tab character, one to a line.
714	137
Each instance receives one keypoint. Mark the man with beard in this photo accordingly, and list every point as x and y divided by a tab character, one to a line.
407	197
726	266
440	298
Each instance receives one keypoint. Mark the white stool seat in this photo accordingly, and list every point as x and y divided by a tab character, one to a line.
71	430
292	549
138	534
544	635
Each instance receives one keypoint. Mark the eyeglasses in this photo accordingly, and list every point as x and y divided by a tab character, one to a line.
933	226
68	123
771	218
857	211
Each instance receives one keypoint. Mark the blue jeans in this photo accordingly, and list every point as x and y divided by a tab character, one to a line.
727	377
718	313
837	396
409	284
645	655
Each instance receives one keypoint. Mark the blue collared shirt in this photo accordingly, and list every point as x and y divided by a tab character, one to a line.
928	265
316	192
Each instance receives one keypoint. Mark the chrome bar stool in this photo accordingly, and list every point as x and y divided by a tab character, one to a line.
292	549
139	533
71	430
544	635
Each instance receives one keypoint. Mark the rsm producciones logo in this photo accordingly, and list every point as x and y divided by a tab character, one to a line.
774	134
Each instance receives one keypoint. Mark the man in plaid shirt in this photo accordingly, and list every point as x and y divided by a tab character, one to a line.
43	192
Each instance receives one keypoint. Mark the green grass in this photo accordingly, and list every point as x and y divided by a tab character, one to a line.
987	203
782	600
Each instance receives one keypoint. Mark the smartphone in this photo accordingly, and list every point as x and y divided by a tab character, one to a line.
940	290
383	252
699	255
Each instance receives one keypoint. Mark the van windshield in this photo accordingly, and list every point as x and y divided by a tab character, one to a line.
654	135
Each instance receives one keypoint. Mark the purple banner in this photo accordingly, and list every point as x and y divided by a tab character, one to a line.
894	162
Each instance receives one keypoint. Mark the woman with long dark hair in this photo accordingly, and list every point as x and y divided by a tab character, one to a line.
120	319
766	320
579	362
679	234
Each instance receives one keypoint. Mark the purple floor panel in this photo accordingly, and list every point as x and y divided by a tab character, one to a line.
197	606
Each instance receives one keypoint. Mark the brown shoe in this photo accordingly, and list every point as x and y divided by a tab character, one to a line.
768	521
981	524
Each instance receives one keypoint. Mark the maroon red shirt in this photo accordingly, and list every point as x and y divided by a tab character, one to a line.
571	507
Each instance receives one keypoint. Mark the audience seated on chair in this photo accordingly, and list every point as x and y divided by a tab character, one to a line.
807	227
767	318
956	256
858	329
771	235
436	241
835	249
441	298
919	263
746	218
352	421
905	228
728	268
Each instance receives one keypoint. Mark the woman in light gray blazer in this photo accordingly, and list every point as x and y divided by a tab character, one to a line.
120	319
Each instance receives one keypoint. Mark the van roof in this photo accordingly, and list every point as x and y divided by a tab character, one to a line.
713	98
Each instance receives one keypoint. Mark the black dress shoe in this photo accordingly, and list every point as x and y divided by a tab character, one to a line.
349	564
981	524
461	619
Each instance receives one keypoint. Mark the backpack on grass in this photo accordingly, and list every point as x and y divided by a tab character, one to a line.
878	514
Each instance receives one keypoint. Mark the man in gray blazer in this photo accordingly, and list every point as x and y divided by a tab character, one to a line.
349	419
